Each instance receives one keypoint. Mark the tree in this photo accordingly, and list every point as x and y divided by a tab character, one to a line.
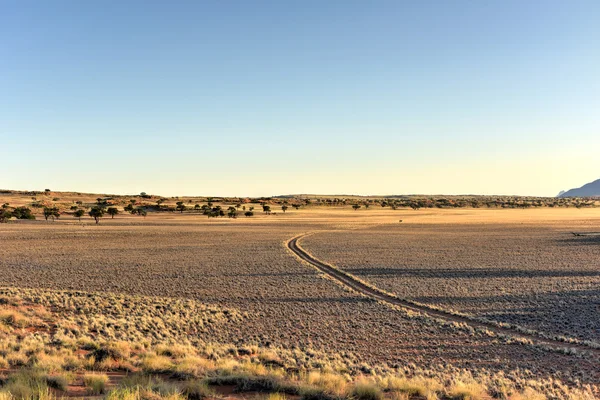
356	206
284	208
5	205
140	211
296	206
248	213
231	212
112	211
22	213
96	213
128	207
266	209
180	207
51	212
78	214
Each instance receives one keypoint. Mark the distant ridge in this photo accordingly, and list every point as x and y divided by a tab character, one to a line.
591	189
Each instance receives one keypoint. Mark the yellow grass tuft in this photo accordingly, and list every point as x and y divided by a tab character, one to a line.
95	383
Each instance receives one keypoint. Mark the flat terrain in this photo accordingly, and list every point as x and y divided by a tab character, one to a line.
525	269
519	266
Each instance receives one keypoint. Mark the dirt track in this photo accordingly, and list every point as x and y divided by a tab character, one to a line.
377	294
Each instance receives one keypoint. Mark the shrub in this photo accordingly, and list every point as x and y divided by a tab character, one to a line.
5	215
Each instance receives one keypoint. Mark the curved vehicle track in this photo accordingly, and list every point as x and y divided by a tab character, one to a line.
378	294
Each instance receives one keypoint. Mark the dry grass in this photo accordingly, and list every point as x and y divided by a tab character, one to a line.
140	293
95	383
61	356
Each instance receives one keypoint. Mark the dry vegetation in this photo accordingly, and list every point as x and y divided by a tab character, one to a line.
56	344
229	292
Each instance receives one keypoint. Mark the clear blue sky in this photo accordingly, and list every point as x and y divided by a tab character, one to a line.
272	97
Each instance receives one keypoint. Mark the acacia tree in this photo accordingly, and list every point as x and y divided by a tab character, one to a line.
231	212
51	212
356	206
96	213
266	209
180	207
78	214
112	211
22	213
284	208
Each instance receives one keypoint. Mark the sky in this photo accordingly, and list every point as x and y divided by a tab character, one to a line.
239	98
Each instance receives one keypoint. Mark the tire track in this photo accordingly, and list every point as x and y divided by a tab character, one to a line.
371	291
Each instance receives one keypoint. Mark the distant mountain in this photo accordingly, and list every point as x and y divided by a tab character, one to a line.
591	189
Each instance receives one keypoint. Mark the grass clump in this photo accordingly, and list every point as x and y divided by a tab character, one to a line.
328	382
95	383
197	390
156	364
466	391
59	382
13	318
365	390
416	386
26	384
276	396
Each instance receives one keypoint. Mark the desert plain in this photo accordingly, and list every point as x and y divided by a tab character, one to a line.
521	269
